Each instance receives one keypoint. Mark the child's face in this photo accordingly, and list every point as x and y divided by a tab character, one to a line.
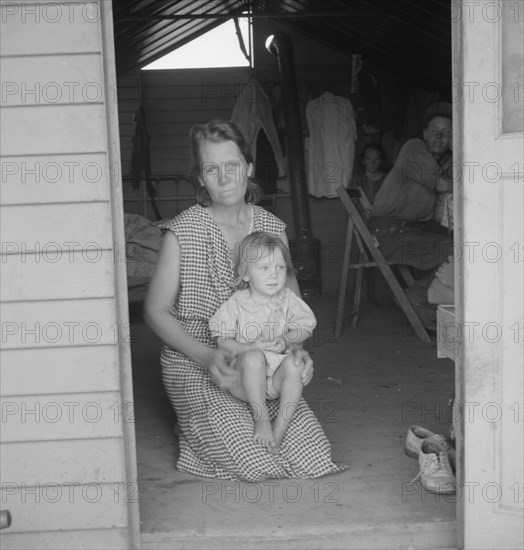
372	160
266	273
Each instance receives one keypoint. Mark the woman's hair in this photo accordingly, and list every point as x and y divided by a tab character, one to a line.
219	131
374	146
255	246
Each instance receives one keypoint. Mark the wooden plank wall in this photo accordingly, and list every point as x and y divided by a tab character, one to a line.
174	100
66	466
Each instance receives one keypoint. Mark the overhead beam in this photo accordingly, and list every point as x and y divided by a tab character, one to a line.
373	13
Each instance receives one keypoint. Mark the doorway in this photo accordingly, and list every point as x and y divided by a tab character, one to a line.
368	389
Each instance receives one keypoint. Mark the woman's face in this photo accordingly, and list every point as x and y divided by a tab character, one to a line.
224	172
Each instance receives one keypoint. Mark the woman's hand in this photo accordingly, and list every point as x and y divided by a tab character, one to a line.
303	359
224	376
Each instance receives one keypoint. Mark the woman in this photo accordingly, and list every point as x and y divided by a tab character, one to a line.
194	276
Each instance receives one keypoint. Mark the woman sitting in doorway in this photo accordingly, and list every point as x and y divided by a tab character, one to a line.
194	276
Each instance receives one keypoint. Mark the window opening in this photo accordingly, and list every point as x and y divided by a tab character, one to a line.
220	47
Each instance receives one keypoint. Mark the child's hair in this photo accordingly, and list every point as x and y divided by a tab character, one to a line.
255	246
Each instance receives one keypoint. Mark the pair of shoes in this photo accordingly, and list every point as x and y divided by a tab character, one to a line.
435	471
417	435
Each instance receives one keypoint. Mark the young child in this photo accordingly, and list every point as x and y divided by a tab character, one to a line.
373	170
258	326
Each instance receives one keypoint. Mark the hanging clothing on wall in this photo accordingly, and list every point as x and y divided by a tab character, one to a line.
141	158
252	111
332	137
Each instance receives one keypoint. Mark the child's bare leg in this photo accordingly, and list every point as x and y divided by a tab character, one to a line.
287	381
252	366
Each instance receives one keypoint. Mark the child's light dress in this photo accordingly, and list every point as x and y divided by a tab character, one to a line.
247	321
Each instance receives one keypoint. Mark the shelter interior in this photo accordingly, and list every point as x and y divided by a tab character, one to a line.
391	59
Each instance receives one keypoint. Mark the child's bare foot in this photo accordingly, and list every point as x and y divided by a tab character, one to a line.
279	431
264	434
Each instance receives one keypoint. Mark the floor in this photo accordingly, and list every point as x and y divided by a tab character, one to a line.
368	389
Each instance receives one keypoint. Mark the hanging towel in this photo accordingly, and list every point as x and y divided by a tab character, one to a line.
252	111
332	137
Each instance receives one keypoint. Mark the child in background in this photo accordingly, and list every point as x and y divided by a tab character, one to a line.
258	326
373	170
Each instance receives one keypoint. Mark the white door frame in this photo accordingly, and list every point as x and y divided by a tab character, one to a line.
488	148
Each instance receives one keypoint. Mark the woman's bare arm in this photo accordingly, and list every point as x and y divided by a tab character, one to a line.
162	293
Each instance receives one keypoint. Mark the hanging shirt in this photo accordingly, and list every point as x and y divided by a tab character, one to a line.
332	137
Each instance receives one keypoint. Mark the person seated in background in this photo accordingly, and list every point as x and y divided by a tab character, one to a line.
427	293
372	170
402	213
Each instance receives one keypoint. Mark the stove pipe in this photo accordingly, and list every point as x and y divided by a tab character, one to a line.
304	249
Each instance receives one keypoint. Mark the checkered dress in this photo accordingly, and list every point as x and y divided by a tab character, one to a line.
216	430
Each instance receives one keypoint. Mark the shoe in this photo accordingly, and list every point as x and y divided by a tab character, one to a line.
417	435
435	473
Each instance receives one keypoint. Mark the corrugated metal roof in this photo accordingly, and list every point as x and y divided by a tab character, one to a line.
411	38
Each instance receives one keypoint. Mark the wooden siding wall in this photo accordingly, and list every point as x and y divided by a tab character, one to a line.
67	453
174	100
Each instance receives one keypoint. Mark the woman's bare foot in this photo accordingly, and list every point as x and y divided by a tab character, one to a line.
264	433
